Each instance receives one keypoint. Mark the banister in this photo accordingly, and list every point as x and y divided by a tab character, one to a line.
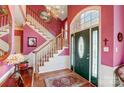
31	12
47	43
3	20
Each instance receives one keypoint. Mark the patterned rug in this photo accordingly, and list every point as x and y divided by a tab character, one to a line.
69	80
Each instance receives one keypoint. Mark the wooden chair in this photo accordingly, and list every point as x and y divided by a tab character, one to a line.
20	82
23	65
120	74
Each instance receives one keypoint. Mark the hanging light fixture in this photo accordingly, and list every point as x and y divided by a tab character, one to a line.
51	11
54	10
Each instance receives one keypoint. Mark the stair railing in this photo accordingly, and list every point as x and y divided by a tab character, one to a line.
4	22
34	15
43	54
34	19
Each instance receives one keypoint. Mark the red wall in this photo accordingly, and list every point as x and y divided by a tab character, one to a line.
28	32
54	26
106	29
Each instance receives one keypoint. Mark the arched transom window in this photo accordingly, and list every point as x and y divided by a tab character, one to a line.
85	20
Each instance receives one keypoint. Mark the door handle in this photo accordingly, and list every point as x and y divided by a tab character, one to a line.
87	58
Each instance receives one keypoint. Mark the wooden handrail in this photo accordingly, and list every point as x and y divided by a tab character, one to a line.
43	54
47	43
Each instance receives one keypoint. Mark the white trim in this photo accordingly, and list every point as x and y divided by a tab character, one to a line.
107	76
90	52
55	63
100	40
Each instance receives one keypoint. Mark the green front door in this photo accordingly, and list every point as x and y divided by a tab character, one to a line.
82	53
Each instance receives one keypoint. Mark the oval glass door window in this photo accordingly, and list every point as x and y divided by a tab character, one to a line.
81	47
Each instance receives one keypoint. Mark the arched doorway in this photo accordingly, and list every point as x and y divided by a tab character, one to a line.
85	43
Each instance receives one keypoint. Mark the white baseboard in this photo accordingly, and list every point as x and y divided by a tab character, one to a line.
107	76
56	63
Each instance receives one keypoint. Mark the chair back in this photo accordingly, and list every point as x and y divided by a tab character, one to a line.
120	73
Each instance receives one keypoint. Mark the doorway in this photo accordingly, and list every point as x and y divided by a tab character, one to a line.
85	53
82	53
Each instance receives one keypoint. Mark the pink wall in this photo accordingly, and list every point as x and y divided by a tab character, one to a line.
54	26
28	32
118	27
4	68
106	29
5	38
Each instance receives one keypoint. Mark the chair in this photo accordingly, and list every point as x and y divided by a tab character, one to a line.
23	65
120	74
20	82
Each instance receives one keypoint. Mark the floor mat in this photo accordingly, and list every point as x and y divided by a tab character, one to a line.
69	80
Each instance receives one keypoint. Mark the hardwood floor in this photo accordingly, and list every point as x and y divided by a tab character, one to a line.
39	81
26	75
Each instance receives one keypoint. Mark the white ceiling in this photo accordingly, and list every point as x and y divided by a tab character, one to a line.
63	8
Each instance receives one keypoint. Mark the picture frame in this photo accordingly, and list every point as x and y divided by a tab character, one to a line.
32	42
120	37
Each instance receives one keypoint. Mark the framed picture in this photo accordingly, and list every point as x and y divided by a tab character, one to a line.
120	37
32	41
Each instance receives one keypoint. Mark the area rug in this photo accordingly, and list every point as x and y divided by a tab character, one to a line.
69	80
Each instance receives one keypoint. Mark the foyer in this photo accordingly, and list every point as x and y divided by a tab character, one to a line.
61	45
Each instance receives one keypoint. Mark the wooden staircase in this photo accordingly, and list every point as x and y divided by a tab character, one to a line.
52	46
37	24
4	30
48	51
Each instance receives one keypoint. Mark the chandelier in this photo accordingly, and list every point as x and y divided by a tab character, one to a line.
54	10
